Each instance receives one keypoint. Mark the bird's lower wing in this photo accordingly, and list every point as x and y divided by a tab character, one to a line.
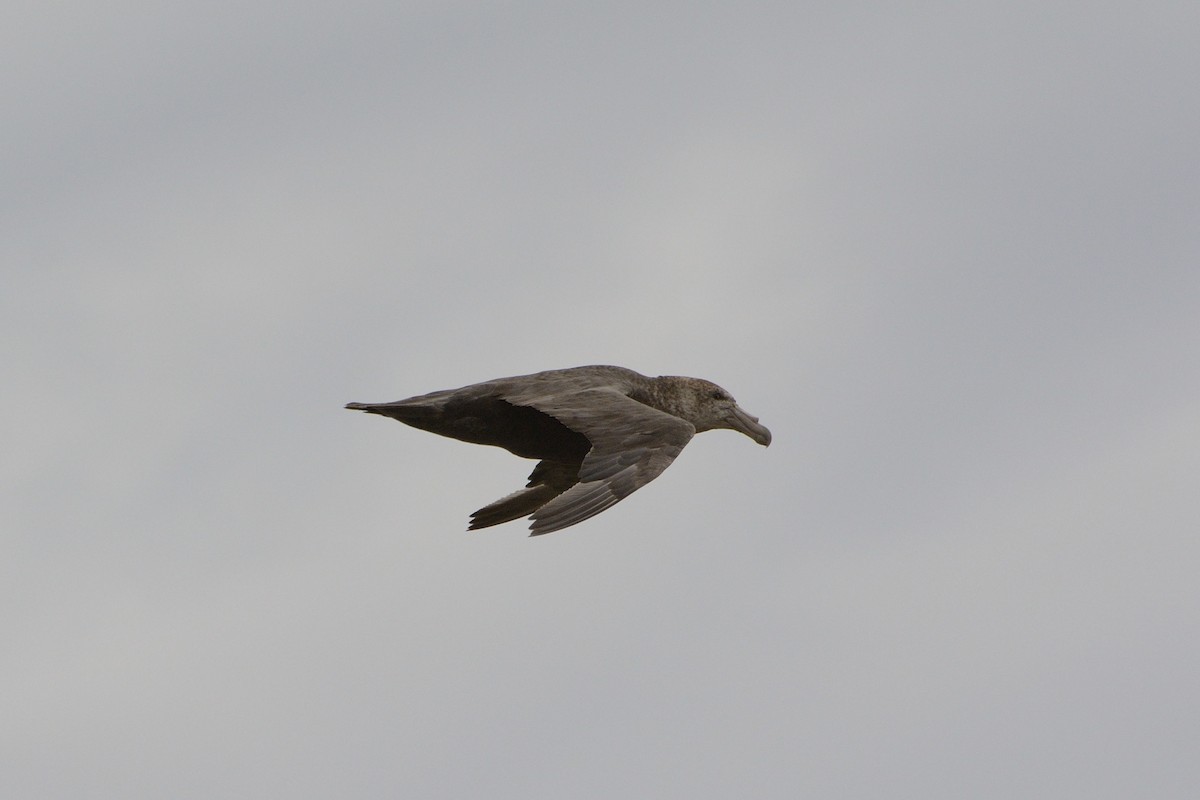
631	445
519	504
548	480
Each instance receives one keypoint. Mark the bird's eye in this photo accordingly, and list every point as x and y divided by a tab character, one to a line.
718	394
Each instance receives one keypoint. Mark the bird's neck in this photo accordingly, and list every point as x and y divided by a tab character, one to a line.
664	393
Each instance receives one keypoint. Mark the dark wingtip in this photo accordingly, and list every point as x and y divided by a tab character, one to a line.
477	523
356	406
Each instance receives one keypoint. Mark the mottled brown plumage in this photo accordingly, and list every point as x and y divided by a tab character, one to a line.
599	432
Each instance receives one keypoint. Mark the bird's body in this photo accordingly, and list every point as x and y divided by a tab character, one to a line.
599	433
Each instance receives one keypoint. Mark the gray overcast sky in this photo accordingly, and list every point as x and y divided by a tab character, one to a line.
947	251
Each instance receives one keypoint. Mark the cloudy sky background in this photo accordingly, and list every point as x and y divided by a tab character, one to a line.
948	252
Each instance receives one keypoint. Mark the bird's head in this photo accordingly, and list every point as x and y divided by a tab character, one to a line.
708	407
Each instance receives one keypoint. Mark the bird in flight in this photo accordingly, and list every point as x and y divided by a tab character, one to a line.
599	433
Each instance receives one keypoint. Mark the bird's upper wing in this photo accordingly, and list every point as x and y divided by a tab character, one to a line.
632	444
